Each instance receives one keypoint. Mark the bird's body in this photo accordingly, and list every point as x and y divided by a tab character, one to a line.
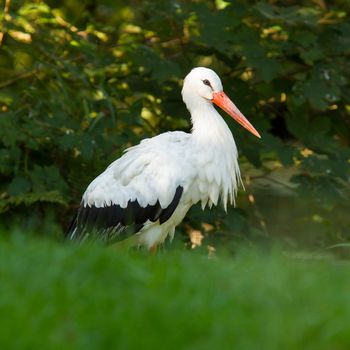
148	191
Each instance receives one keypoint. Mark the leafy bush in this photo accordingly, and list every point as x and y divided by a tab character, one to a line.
80	81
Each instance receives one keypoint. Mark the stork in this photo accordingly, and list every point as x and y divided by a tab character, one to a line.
146	193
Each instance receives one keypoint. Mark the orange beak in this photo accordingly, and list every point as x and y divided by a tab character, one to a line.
224	102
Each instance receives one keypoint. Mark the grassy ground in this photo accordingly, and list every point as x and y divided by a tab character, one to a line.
55	296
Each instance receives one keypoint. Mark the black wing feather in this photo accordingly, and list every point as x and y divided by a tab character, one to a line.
168	211
115	223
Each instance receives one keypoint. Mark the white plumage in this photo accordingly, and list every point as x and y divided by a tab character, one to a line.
152	186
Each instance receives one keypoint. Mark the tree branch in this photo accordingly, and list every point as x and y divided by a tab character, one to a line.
6	11
14	80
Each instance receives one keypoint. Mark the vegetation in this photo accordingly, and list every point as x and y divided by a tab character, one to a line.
58	296
82	80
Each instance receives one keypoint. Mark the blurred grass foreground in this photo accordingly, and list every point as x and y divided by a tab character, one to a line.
65	297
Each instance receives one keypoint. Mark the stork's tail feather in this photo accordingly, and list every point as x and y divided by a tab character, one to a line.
69	234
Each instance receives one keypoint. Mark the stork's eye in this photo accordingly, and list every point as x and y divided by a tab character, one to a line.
206	82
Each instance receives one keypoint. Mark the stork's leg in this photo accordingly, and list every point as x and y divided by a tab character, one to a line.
125	244
153	250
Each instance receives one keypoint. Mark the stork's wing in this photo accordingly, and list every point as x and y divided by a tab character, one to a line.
113	222
144	185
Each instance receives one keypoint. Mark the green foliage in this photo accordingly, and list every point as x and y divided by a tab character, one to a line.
96	298
80	81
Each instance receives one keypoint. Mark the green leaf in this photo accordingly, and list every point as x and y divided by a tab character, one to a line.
31	198
268	69
320	125
298	122
47	179
19	185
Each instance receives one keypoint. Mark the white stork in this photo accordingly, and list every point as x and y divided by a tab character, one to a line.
148	191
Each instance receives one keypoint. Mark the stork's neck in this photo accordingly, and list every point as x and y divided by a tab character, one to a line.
208	125
215	155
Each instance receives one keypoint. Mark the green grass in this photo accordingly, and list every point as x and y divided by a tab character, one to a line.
55	296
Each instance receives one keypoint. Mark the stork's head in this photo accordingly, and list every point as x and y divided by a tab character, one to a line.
202	86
